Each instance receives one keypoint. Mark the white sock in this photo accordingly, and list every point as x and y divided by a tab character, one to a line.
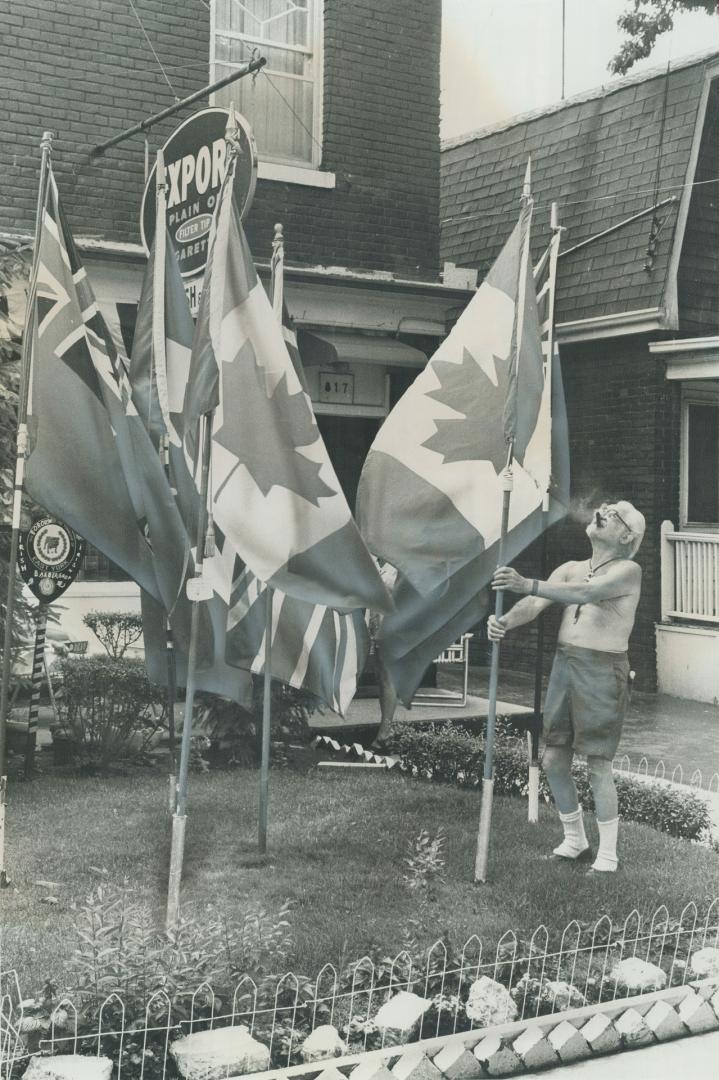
607	854
575	839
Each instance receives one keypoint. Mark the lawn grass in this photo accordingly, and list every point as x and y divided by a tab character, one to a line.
336	848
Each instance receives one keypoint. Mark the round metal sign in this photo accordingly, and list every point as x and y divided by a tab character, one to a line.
195	158
49	557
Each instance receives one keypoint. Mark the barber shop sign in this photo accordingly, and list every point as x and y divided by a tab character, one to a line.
195	160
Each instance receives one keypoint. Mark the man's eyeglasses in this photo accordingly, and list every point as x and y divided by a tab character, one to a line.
611	512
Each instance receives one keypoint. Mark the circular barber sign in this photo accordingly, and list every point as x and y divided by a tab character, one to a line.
49	557
195	156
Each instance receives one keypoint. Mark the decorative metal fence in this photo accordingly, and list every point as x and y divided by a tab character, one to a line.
673	775
542	975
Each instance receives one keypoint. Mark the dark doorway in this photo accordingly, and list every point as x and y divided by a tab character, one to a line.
348	439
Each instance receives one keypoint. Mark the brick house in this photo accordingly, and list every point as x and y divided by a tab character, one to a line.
634	169
346	120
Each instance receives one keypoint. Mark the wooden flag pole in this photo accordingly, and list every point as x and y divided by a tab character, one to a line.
159	361
277	289
38	671
485	812
46	149
506	483
266	724
536	727
197	592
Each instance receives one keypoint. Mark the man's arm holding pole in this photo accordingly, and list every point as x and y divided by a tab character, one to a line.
526	610
619	580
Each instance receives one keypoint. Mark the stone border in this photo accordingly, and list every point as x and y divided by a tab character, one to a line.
526	1045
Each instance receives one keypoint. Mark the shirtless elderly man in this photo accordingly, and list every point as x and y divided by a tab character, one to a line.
588	688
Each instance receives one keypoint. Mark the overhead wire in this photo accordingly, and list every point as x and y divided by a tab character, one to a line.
153	50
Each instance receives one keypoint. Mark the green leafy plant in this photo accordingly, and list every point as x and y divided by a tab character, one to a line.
425	863
109	710
644	21
115	630
120	950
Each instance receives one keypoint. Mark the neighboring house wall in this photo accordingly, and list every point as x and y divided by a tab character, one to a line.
623	433
83	69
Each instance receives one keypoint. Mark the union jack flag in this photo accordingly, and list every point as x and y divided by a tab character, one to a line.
91	462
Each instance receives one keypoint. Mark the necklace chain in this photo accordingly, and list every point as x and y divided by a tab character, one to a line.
593	569
590	574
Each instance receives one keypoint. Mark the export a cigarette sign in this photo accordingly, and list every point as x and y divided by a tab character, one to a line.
195	159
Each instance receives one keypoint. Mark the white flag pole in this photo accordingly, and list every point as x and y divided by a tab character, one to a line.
277	291
197	593
485	813
159	380
198	590
533	734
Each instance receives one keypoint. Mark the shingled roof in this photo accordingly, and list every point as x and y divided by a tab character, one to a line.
595	155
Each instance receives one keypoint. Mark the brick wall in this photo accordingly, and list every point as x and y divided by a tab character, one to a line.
698	279
83	69
624	443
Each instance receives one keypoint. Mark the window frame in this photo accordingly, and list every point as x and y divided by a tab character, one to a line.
269	165
693	394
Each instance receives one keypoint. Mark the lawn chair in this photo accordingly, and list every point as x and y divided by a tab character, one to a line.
458	653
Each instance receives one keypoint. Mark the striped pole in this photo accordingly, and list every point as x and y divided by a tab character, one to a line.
38	672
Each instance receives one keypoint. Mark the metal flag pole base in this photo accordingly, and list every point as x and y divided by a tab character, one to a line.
4	879
533	793
485	826
177	851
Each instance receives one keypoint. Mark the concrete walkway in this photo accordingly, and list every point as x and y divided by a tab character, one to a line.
658	727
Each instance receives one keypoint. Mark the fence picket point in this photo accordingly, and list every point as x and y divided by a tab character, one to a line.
236	997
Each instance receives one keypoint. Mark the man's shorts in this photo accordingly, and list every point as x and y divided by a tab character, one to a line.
586	700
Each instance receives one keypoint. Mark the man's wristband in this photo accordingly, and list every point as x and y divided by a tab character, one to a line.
535	587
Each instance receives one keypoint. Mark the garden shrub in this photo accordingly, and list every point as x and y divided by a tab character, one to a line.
109	710
115	630
449	755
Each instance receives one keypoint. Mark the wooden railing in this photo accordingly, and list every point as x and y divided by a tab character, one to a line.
690	575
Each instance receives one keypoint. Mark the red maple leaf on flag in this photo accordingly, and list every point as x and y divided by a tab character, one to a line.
265	431
478	433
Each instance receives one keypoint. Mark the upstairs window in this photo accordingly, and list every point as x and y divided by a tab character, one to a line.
283	103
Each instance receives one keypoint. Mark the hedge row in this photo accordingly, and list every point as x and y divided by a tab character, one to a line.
450	755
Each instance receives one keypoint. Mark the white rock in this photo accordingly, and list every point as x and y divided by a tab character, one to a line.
563	995
698	1015
68	1067
568	1042
663	1021
402	1013
323	1042
490	1003
705	963
534	1049
601	1035
214	1055
633	1029
637	976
